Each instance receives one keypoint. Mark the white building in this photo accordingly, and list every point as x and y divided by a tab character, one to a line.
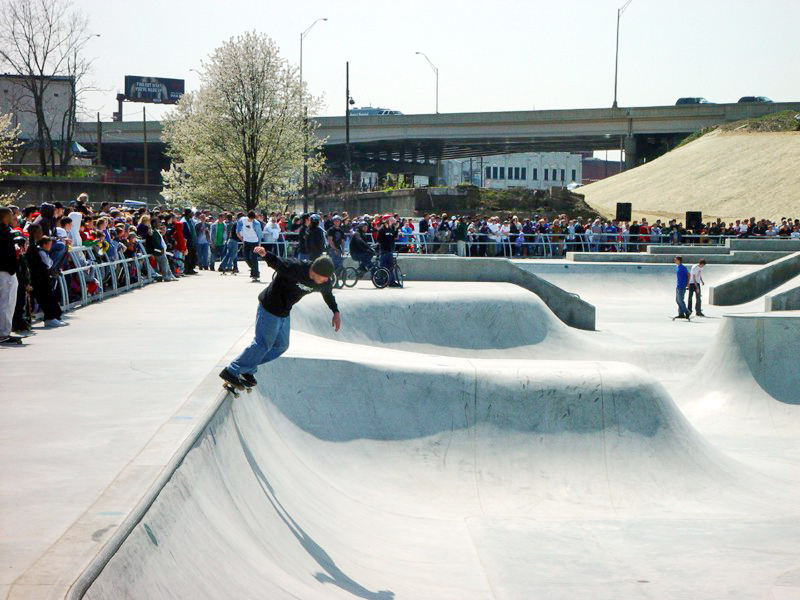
16	98
533	170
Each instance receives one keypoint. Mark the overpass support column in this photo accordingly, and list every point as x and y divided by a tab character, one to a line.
631	151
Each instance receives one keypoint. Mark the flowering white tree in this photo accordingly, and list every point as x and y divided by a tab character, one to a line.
241	136
8	143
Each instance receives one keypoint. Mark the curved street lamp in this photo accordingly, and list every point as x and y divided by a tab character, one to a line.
436	71
616	56
305	117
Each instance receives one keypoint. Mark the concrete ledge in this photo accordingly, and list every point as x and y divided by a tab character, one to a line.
737	257
784	298
756	283
781	244
568	307
686	250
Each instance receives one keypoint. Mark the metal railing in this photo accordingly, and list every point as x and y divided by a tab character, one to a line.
110	276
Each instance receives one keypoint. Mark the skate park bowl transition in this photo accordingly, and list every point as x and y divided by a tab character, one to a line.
423	462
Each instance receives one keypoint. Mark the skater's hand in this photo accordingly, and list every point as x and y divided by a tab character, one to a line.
260	251
336	322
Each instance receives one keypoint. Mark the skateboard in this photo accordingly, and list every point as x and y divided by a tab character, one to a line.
14	340
686	319
235	389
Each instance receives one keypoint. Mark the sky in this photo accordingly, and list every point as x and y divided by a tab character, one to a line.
492	56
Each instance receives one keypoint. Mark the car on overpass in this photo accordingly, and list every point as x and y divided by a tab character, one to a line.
754	99
369	111
692	100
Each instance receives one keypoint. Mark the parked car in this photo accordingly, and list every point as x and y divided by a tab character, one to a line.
692	100
754	99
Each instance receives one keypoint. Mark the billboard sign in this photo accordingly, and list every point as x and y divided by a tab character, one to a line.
153	89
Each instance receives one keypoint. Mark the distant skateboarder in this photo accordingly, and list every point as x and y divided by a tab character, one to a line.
294	279
695	281
682	274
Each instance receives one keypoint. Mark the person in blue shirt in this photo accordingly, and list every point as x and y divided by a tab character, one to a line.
682	274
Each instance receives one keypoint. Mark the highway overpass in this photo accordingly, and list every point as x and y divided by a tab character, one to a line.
380	143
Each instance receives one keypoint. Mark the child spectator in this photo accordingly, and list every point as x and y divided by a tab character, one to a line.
41	266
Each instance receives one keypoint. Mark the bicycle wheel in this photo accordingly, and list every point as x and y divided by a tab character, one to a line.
398	275
380	278
338	281
350	277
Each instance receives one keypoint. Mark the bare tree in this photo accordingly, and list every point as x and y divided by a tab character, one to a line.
41	42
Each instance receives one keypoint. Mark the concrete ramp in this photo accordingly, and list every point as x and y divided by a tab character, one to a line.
452	478
749	379
475	320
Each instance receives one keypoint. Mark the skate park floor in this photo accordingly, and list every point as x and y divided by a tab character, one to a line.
450	486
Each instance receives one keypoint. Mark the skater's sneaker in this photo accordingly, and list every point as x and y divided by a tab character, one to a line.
231	378
55	323
249	380
700	314
11	340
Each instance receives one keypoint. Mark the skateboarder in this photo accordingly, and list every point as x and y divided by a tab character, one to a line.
294	279
695	281
682	274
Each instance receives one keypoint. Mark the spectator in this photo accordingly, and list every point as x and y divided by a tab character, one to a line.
202	231
249	231
314	238
190	236
336	243
21	322
219	235
41	266
8	277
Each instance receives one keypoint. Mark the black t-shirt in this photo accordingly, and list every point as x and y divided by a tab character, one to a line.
337	235
386	237
291	283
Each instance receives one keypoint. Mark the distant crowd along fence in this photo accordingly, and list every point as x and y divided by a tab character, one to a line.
530	245
93	279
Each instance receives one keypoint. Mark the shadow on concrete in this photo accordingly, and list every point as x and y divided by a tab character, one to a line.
332	574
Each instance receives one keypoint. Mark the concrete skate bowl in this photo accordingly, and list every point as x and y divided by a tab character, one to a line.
497	319
449	481
749	379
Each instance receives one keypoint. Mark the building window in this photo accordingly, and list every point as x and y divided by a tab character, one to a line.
562	174
555	172
516	172
502	172
535	176
573	174
488	173
494	172
545	174
523	174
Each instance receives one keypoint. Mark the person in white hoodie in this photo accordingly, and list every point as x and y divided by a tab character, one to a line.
270	235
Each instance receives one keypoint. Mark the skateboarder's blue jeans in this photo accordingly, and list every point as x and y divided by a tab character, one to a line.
270	341
680	294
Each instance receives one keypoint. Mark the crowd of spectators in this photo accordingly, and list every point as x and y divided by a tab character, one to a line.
116	244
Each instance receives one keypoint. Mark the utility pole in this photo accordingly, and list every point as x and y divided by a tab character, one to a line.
347	164
144	131
99	157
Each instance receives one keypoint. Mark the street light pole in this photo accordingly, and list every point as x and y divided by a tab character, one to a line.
305	118
436	71
348	102
616	55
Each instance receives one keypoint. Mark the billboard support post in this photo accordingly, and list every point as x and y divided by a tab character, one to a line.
144	131
99	158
